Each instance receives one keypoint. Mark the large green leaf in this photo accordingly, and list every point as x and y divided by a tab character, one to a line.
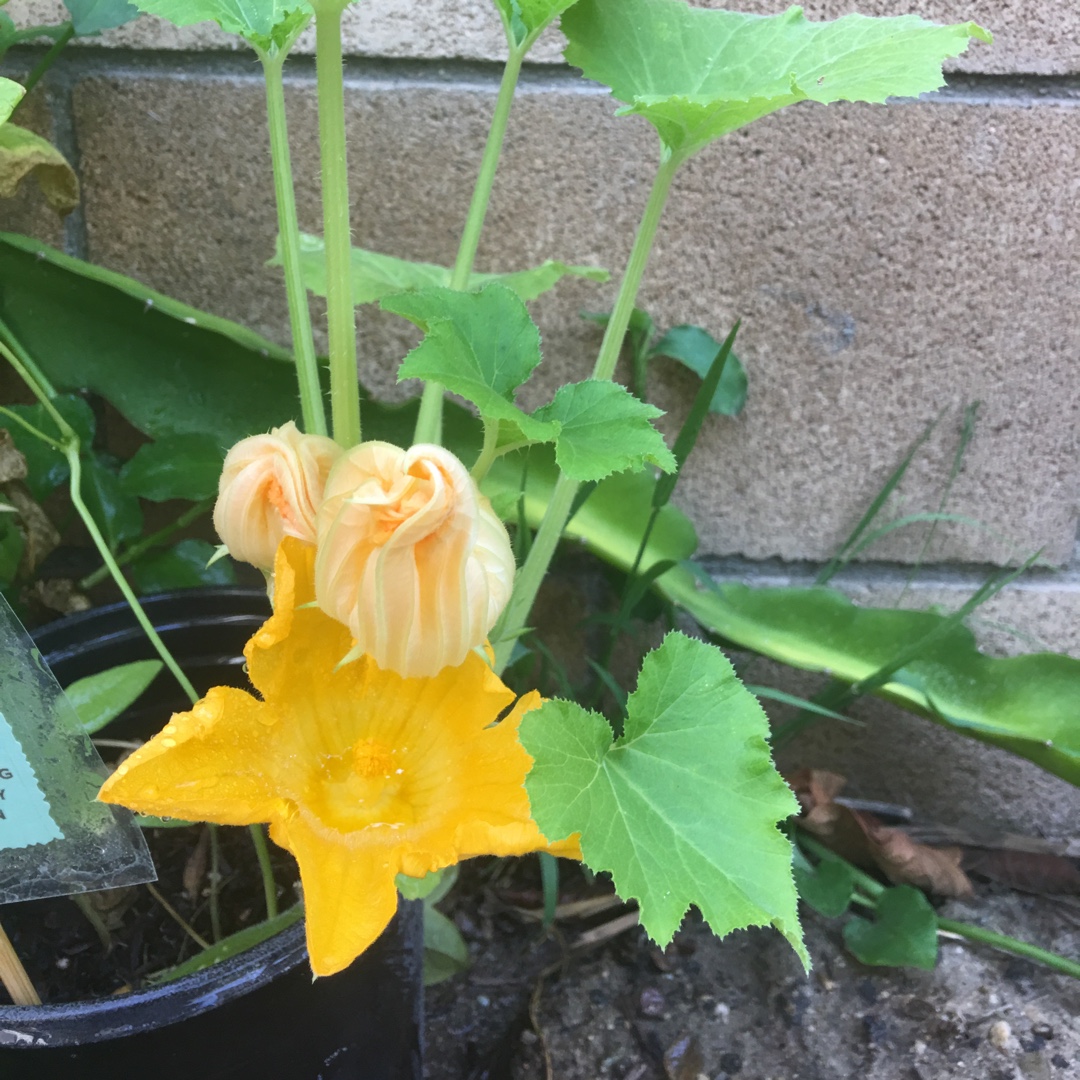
116	511
102	697
604	429
186	565
22	154
376	276
683	808
11	94
482	346
93	16
169	368
178	467
697	75
1025	704
249	18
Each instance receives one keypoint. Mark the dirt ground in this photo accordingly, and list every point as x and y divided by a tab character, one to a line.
743	1008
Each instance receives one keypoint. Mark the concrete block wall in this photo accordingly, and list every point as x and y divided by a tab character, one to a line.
890	264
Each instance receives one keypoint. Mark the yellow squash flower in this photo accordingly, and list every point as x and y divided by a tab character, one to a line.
362	774
411	557
271	487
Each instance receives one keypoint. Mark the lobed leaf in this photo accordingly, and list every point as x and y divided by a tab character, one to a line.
102	697
376	276
826	887
23	154
482	346
681	809
604	429
248	18
696	74
903	933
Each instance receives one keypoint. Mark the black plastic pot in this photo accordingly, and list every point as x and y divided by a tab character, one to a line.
258	1014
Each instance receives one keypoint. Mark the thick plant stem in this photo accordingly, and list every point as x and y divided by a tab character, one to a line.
1011	945
635	268
13	975
307	367
340	313
557	513
429	422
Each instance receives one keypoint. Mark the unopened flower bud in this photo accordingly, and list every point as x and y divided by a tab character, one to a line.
270	488
411	557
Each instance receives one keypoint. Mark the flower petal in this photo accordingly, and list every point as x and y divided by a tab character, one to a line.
349	891
208	764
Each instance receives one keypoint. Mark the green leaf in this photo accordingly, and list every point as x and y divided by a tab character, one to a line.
903	934
177	467
248	18
696	349
229	946
100	698
11	93
183	566
12	545
376	276
683	808
93	16
526	18
47	468
431	887
169	368
117	513
445	951
696	75
603	429
22	154
482	346
826	887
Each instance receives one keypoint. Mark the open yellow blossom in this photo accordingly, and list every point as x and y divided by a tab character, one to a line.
362	774
411	557
270	487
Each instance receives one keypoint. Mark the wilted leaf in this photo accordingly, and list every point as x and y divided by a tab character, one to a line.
22	153
682	809
697	75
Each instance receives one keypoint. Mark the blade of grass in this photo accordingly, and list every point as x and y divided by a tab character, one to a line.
874	509
772	694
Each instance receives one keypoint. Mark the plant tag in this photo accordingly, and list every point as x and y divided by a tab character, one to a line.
55	837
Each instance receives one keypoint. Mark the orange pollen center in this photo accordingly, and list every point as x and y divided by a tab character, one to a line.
371	759
275	495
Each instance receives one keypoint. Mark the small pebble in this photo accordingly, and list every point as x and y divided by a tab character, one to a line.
999	1034
1042	1031
651	1002
721	1011
483	1001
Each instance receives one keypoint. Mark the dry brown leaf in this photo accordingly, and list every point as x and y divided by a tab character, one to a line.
864	840
40	533
1026	871
12	463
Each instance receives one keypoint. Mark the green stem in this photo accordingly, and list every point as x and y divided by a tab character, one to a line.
528	581
262	853
71	452
1011	945
635	268
70	449
529	578
307	365
47	60
148	542
340	313
429	421
488	451
30	429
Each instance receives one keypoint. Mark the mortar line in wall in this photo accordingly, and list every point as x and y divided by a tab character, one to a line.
65	138
471	75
